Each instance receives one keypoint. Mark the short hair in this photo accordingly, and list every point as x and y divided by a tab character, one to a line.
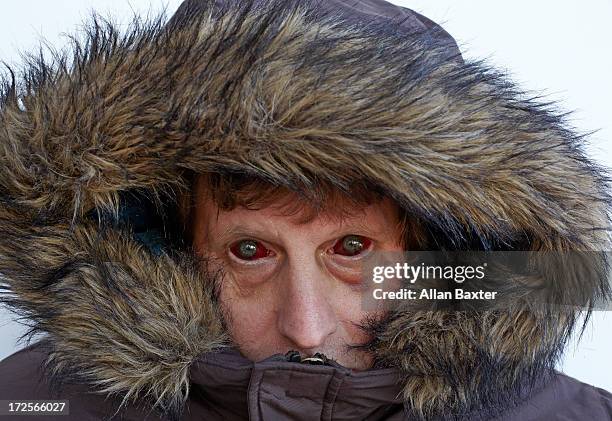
230	191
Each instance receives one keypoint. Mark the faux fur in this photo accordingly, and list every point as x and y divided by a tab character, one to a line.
297	97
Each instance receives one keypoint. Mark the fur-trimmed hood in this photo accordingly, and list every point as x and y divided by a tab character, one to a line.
296	95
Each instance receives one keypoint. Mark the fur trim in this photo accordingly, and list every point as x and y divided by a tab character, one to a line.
114	316
296	97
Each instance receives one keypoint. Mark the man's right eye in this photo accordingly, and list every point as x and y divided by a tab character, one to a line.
250	250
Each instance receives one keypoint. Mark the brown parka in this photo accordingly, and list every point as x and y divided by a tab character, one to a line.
94	146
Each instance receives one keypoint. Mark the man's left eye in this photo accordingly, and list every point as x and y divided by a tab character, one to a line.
352	245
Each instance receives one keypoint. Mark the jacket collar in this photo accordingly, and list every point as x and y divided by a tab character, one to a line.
275	387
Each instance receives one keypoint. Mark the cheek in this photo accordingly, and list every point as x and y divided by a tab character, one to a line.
350	312
345	293
250	317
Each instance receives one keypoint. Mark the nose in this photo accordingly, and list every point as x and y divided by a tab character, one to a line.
306	316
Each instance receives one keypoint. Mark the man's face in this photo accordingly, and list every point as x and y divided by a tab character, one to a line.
290	284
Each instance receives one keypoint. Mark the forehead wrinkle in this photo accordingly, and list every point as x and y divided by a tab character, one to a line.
359	223
247	228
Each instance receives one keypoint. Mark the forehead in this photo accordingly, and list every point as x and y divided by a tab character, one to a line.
291	212
231	191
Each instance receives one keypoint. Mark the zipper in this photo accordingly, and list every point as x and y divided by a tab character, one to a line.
316	359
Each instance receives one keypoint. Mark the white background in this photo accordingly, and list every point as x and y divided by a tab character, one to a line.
560	48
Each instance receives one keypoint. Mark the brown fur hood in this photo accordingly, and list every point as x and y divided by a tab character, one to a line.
295	96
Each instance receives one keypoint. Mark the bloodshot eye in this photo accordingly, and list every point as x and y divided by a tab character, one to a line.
352	245
249	250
